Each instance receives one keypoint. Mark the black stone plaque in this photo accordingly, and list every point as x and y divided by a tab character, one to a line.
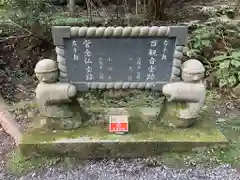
119	59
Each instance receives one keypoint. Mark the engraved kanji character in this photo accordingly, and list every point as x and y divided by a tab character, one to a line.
109	77
89	77
165	50
129	78
164	57
100	60
139	61
165	43
138	67
153	43
138	76
87	61
87	53
74	50
152	52
152	69
75	57
101	76
88	69
100	67
150	76
152	60
74	43
87	43
109	59
130	68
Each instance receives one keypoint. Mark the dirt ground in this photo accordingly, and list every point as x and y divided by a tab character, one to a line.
6	145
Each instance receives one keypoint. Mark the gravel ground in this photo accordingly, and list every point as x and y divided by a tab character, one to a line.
6	144
131	170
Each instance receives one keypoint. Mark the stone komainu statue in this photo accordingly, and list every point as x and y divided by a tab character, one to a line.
56	101
185	98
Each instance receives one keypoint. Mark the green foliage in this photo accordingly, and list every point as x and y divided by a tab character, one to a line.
32	16
70	21
22	8
214	43
229	11
228	72
30	21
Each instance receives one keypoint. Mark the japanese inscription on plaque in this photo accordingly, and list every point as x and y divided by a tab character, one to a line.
115	59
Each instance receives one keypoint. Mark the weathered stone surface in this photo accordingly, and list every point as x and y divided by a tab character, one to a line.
184	91
46	65
56	123
192	71
236	90
57	104
176	71
144	139
173	112
46	71
185	99
149	114
56	101
101	115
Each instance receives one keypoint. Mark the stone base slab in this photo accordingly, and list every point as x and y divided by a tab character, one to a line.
144	139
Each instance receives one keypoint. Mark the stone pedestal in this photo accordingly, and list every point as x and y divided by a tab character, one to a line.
145	138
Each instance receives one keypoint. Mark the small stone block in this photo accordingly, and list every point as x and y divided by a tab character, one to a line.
181	32
60	32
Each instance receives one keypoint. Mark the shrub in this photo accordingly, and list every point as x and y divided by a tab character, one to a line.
228	72
215	44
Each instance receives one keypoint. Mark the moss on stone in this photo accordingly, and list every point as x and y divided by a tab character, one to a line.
170	115
90	140
139	126
129	99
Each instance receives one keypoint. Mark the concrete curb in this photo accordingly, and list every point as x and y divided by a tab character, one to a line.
8	123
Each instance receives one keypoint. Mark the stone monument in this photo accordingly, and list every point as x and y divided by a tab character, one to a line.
141	66
180	82
119	58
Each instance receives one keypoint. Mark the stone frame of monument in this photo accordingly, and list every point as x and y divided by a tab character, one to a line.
179	32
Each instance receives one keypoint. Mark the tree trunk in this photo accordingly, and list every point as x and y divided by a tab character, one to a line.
71	6
156	9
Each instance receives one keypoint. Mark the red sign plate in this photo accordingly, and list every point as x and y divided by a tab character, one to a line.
118	123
